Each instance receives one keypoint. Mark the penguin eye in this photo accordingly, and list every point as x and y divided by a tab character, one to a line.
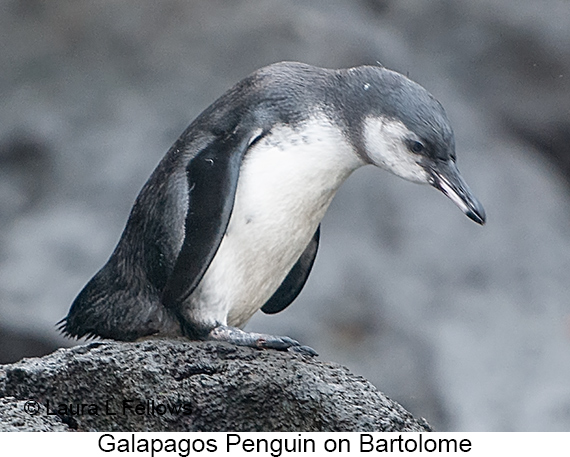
416	147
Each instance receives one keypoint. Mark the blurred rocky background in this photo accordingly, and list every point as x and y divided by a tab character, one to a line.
464	325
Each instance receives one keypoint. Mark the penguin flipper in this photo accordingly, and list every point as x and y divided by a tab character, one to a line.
212	177
124	300
295	280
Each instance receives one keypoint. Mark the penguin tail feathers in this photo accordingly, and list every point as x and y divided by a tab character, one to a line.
67	331
109	307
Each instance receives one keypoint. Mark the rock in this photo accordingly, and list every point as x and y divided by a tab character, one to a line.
176	385
15	417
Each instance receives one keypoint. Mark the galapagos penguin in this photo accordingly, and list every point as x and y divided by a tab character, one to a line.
228	223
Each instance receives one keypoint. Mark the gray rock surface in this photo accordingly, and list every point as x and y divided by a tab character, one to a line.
14	418
176	385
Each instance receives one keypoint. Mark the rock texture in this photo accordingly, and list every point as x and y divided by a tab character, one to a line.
169	385
14	418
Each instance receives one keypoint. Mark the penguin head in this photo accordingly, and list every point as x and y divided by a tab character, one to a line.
405	130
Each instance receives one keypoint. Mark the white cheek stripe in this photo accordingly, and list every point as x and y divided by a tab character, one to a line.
385	146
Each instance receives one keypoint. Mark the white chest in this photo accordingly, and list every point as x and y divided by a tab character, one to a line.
286	184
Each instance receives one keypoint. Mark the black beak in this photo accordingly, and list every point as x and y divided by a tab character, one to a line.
446	178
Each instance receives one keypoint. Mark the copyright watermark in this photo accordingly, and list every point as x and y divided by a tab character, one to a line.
125	407
32	407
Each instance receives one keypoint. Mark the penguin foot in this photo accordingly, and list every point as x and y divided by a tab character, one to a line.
304	350
258	340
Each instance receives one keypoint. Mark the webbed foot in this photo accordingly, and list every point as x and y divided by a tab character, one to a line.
258	340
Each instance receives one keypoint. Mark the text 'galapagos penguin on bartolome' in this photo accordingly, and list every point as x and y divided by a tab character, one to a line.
276	447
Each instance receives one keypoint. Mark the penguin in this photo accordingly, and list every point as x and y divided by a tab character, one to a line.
229	221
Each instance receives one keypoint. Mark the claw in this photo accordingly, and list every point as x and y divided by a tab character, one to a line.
304	350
